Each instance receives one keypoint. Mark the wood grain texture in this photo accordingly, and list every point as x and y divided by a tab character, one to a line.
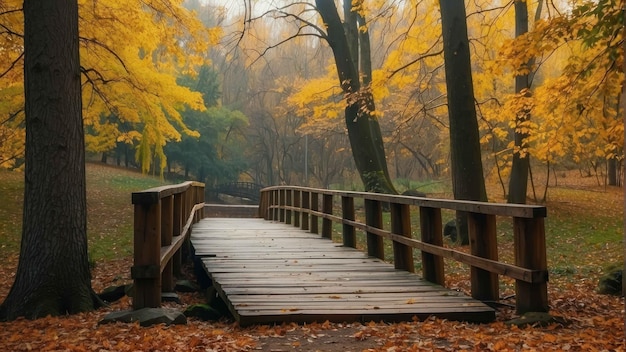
269	272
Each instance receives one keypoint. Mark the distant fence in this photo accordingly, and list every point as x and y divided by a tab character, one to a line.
305	206
163	219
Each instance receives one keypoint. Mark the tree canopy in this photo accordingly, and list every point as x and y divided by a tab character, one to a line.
131	56
270	64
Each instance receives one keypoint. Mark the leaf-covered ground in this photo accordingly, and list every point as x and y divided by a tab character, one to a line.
584	234
595	324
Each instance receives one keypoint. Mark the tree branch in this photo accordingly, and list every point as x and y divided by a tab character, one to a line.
106	48
420	58
12	65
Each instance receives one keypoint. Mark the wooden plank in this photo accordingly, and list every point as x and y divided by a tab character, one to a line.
362	297
530	252
270	273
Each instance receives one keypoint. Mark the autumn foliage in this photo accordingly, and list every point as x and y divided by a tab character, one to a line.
595	323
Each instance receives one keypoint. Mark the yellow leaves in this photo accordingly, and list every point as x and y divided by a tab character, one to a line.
320	101
140	76
131	53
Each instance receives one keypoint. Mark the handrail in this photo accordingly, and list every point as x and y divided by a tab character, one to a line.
162	226
282	203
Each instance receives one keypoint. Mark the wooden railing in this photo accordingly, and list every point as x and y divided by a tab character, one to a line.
163	219
303	207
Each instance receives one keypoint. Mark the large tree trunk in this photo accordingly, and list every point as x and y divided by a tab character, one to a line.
363	128
468	182
53	275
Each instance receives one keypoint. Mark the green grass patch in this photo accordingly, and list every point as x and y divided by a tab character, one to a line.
110	212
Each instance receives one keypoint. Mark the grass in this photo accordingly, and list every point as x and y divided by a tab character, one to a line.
110	212
584	230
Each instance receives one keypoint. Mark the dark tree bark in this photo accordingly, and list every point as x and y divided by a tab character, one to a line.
612	171
518	183
467	170
363	127
468	182
53	275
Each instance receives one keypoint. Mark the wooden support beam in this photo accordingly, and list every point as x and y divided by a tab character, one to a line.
297	194
349	233
401	225
281	204
530	252
327	224
288	204
431	233
306	206
314	207
374	218
484	244
147	248
167	232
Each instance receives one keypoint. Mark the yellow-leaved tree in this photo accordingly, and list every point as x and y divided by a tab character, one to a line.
131	54
576	111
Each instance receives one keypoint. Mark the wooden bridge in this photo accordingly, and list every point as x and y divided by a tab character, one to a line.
284	267
246	190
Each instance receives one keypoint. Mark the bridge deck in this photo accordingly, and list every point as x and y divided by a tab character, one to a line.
270	273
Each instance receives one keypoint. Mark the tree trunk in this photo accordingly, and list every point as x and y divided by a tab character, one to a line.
518	182
363	128
612	171
53	275
467	171
468	182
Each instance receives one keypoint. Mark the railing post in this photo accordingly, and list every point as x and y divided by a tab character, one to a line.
188	199
530	253
374	218
306	206
347	210
167	231
281	204
430	227
327	224
146	270
296	203
263	205
401	225
178	219
483	243
288	203
274	203
314	207
201	200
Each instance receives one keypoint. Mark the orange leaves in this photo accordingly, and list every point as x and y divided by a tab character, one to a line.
595	327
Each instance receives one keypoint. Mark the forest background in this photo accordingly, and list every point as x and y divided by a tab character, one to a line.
198	90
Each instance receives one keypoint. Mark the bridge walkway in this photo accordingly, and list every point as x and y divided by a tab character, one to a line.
269	272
